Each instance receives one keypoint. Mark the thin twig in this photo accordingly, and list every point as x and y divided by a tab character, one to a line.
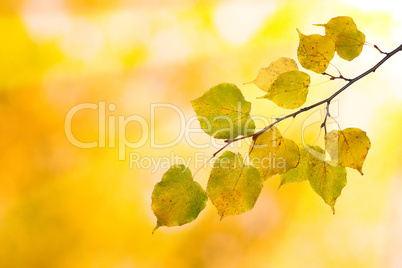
375	46
332	77
324	124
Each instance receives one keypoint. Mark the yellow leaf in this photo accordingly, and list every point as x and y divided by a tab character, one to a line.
266	76
273	154
289	90
348	39
348	147
315	52
337	25
349	44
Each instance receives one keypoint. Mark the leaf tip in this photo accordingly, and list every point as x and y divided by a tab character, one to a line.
333	210
279	187
156	228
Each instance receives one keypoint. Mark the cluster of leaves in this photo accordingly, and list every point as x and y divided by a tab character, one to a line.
223	112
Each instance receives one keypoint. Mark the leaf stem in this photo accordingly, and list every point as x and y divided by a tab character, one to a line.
376	47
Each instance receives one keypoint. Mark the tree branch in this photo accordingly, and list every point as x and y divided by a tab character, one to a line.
327	101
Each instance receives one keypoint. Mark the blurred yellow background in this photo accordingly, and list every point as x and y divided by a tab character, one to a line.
63	206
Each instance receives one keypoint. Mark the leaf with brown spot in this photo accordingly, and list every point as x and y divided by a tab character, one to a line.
315	52
177	199
348	147
326	179
223	112
273	154
289	90
348	39
233	187
267	76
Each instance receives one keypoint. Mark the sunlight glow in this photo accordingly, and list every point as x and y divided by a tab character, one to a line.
123	31
237	21
46	19
372	5
169	45
84	41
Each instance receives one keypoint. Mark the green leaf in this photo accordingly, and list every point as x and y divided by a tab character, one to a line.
349	44
273	154
337	25
224	113
289	90
233	187
348	147
326	179
315	52
266	76
177	199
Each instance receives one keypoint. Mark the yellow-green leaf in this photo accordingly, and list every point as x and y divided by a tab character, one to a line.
348	147
315	52
233	187
337	25
326	179
266	76
349	44
348	39
177	199
299	173
224	113
289	90
273	154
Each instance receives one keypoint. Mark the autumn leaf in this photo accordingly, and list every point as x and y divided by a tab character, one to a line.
326	179
177	199
349	44
299	173
348	39
348	147
315	52
224	113
267	76
233	187
337	25
273	154
289	90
